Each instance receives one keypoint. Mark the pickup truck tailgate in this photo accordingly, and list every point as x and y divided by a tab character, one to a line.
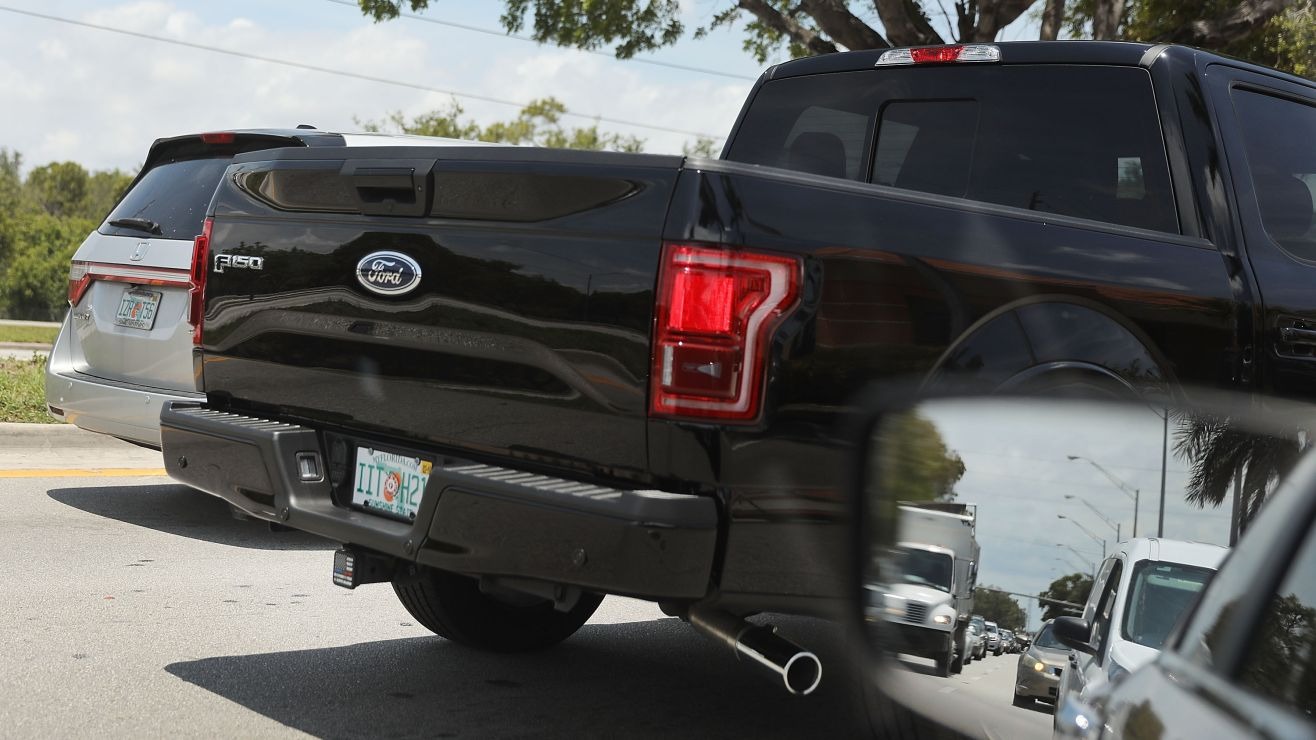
487	299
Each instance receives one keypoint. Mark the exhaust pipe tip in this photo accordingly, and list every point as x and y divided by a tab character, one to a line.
799	669
802	673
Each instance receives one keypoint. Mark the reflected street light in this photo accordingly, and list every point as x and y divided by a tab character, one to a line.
1080	557
1070	562
1113	525
1087	532
1128	490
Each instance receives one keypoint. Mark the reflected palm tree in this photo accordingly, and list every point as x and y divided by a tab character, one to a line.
1223	456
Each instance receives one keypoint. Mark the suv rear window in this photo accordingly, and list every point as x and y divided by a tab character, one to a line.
1080	141
173	194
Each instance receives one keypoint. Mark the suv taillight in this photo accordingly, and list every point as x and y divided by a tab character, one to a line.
716	311
79	281
196	294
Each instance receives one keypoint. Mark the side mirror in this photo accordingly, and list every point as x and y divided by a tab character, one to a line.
1075	633
1032	494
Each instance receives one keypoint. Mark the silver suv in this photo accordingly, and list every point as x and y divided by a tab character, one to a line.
126	343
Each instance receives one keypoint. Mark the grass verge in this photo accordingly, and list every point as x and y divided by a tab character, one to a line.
23	390
39	334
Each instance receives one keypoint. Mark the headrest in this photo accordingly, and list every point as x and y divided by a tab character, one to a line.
819	153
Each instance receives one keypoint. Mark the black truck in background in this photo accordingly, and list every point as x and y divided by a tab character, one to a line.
512	380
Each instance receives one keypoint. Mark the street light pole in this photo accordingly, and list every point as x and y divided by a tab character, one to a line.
1087	532
1128	490
1113	525
1080	557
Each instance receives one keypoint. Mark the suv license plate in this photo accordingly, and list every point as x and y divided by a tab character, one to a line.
389	483
137	309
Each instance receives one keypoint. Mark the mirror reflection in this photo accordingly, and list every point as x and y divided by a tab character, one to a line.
1022	552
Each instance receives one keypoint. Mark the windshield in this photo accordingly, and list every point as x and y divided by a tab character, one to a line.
1159	594
1045	639
926	568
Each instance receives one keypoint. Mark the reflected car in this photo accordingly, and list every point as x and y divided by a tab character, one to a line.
1140	593
978	647
1243	661
994	639
1040	667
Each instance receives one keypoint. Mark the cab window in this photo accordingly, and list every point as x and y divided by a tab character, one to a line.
1089	147
1278	135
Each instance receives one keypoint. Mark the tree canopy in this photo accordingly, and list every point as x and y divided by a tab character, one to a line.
915	464
997	606
1073	588
538	124
43	219
1279	33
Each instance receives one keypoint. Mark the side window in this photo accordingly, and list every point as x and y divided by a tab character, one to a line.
1278	134
1280	661
1106	612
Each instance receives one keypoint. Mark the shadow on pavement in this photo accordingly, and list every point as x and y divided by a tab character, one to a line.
639	679
187	512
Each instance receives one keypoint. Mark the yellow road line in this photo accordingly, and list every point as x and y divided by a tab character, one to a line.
84	473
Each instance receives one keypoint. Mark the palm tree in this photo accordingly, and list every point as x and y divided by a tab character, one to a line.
1219	451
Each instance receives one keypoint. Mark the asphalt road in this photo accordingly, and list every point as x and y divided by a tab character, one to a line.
135	606
979	699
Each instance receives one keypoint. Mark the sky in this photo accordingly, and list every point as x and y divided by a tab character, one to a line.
100	98
1018	473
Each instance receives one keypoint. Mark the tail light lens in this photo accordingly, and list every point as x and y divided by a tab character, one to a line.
196	305
79	281
716	311
940	55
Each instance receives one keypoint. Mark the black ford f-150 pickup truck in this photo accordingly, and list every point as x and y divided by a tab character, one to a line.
511	380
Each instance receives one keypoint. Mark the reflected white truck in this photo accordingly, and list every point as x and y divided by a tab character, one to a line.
931	598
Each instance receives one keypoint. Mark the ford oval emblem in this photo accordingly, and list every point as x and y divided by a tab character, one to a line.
388	273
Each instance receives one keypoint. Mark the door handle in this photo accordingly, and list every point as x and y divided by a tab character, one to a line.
1294	335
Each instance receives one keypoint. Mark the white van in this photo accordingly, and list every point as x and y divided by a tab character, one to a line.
1140	593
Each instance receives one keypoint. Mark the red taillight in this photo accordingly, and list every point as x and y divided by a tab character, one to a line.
217	137
716	310
196	294
936	54
79	281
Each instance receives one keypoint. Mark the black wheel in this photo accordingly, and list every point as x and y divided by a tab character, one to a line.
943	665
957	663
1023	701
452	606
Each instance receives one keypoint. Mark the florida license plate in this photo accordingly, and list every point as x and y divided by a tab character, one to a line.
137	309
389	483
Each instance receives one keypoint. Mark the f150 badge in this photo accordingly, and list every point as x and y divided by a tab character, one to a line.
388	273
238	262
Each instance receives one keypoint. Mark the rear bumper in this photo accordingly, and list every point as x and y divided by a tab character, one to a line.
122	410
473	519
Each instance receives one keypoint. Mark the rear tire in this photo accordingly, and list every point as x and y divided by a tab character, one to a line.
943	664
957	663
451	606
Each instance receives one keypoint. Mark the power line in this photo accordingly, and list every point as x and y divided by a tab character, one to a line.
503	35
344	73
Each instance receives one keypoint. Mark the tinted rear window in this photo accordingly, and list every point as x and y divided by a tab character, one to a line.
1080	141
173	194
